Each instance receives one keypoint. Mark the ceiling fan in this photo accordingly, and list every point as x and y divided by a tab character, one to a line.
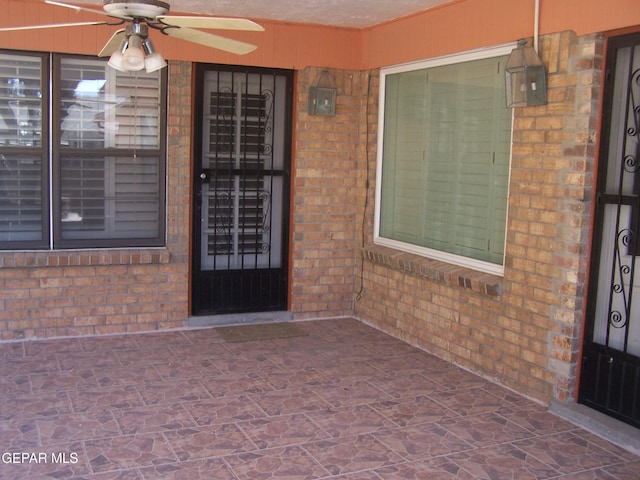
131	48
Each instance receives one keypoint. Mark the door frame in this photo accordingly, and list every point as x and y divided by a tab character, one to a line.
590	350
200	70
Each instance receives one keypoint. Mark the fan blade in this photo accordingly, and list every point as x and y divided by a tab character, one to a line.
216	23
51	25
77	8
210	40
113	44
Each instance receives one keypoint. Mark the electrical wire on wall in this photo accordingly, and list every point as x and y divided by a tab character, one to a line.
363	225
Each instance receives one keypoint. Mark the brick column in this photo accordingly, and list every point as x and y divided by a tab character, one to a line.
326	201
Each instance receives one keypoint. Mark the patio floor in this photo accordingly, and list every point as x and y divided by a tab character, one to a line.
343	402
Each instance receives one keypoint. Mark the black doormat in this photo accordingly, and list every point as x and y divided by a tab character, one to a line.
262	331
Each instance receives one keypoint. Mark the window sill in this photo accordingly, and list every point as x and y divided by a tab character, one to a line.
82	258
482	283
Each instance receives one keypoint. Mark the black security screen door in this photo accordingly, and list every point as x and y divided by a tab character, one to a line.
610	375
241	190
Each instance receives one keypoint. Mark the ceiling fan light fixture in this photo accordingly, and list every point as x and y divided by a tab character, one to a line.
139	15
135	8
153	60
116	61
117	58
133	57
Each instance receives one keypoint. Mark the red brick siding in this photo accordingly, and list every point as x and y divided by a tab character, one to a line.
327	198
528	337
523	331
61	293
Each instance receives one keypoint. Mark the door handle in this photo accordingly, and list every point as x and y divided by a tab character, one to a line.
206	174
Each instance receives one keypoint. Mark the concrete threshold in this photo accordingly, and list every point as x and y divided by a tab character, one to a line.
238	319
619	433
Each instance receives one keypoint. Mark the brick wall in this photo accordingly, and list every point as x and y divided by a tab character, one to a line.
327	198
44	294
81	292
522	330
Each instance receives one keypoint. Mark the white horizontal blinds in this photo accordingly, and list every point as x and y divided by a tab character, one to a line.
105	108
137	197
440	152
110	197
221	149
446	159
21	149
20	101
106	194
82	104
136	110
83	194
404	168
20	198
481	159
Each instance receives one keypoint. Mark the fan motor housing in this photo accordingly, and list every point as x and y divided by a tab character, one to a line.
135	8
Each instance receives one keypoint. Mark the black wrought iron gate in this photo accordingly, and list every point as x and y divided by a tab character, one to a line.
610	375
241	190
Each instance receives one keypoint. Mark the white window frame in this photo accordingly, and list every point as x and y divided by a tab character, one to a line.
459	260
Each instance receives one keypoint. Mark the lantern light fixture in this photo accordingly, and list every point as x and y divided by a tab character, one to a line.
322	95
526	83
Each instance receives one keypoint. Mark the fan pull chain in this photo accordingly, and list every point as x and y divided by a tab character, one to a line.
135	119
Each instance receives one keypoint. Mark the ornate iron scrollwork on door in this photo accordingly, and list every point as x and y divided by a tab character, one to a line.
622	284
239	219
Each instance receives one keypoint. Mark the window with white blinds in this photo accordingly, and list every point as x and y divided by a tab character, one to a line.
105	163
443	170
114	189
23	149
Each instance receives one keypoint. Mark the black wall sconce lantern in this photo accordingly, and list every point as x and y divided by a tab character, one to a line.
322	95
526	82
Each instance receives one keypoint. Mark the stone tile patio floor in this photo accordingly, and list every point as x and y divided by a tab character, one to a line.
343	402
